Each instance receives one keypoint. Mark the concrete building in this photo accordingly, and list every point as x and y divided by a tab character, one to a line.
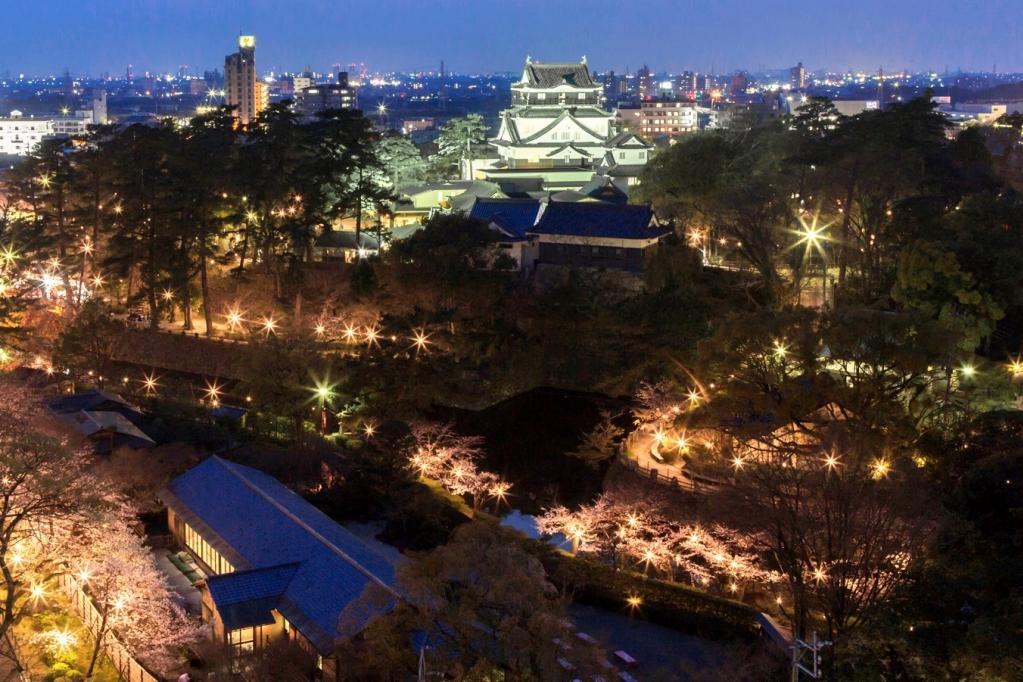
244	91
20	134
797	77
644	83
686	85
854	107
313	99
665	118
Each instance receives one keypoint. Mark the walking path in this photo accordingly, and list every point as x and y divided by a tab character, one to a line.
642	452
189	594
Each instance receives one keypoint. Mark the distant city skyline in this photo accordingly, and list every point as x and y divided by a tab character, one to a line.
44	38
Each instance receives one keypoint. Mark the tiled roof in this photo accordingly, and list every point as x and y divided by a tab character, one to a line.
603	188
258	583
345	239
553	75
91	400
627	140
267	525
597	219
246	598
442	185
515	216
479	188
89	423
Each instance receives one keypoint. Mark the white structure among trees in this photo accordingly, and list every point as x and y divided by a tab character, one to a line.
558	130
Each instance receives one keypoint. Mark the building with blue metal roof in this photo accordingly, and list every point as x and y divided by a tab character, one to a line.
596	234
513	217
278	567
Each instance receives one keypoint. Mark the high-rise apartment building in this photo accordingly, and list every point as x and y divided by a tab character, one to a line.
645	83
244	91
797	77
685	85
313	99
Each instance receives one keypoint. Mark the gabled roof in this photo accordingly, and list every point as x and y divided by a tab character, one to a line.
507	124
92	400
345	239
246	598
479	188
597	219
571	147
91	423
603	188
514	216
627	140
257	523
442	185
538	75
565	114
405	231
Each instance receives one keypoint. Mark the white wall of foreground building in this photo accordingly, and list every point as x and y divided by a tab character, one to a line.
19	134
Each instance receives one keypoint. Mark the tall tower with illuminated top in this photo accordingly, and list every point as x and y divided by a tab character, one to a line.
243	88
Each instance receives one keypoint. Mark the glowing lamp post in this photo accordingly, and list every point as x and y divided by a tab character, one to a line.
323	395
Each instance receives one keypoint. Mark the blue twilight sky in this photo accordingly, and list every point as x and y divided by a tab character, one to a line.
92	36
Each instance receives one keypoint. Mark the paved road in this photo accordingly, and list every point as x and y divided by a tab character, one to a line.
657	649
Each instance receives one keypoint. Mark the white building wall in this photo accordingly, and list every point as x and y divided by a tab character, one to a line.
19	136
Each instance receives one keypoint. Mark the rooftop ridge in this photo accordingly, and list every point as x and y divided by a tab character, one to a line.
337	551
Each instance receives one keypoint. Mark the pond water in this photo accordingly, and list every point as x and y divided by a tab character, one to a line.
528	437
526	523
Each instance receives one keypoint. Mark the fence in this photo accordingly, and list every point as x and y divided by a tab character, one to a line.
129	669
23	674
655	475
686	481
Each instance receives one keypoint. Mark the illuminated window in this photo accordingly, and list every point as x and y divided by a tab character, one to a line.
242	640
202	549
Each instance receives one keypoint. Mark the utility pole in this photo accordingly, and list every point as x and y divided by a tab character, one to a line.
814	646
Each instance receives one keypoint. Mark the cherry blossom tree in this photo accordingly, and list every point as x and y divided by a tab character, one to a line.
634	535
135	602
663	400
46	494
436	451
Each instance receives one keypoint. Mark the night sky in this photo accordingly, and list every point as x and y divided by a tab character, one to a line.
89	37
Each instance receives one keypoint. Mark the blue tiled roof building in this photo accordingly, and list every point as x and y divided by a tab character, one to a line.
597	235
277	564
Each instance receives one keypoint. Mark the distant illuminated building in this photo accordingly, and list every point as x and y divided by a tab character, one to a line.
797	77
740	82
244	91
645	83
300	83
666	118
686	85
313	99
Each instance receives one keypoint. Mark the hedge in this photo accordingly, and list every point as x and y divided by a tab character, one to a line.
669	604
